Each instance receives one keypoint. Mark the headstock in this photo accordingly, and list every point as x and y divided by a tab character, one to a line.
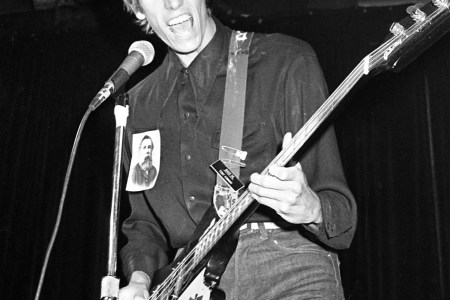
412	35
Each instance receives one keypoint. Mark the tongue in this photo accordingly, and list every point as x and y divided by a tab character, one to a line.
182	27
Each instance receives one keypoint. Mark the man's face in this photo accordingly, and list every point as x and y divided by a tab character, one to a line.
184	25
146	150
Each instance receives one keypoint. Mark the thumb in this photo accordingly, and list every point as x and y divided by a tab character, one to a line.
287	139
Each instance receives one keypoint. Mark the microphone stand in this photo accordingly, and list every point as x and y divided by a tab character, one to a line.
110	283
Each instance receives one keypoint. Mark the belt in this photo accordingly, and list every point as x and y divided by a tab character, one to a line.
255	225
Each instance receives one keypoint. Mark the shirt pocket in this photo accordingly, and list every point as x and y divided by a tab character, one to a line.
252	135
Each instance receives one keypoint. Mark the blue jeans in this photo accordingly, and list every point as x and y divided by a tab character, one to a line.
280	264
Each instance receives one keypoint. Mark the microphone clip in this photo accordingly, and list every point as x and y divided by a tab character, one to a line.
102	95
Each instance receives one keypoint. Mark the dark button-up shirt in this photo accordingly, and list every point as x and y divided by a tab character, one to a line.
285	86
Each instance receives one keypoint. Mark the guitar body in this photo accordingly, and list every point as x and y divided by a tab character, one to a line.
197	290
202	281
195	276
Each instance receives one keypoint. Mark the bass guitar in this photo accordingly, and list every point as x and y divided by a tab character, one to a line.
184	279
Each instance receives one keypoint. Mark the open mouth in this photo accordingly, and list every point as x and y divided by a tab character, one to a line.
181	25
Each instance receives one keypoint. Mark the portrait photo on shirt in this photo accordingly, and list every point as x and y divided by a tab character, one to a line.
145	160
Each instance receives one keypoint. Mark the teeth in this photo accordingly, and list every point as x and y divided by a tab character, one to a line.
181	26
179	20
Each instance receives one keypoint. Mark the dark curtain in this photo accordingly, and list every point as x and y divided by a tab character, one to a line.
393	133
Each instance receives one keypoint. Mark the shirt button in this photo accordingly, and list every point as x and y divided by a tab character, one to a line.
188	157
187	115
186	71
191	198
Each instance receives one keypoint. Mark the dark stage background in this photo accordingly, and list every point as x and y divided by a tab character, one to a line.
393	132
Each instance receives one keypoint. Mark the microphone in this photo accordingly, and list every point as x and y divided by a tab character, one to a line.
140	53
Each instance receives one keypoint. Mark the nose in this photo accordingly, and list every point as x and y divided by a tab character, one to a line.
173	4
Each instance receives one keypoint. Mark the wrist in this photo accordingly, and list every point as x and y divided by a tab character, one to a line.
317	218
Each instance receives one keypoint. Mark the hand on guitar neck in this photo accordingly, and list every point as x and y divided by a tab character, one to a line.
286	190
137	288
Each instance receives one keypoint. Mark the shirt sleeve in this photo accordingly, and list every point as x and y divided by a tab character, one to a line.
305	91
146	248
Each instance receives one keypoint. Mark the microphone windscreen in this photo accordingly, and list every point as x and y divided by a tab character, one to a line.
145	48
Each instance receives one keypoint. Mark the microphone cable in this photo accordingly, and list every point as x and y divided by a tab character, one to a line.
140	54
62	201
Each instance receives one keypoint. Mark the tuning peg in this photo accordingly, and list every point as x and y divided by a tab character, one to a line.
441	3
416	14
412	8
397	29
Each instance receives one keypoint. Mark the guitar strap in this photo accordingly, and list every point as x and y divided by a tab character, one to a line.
233	118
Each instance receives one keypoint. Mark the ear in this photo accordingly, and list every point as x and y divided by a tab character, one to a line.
139	15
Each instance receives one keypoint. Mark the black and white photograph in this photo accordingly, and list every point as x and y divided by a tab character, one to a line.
329	120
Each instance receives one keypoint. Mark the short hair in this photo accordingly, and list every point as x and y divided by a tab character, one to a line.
133	6
146	137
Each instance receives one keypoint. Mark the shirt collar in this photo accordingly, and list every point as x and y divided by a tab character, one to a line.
210	62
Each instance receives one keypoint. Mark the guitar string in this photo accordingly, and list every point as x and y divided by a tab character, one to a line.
299	139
